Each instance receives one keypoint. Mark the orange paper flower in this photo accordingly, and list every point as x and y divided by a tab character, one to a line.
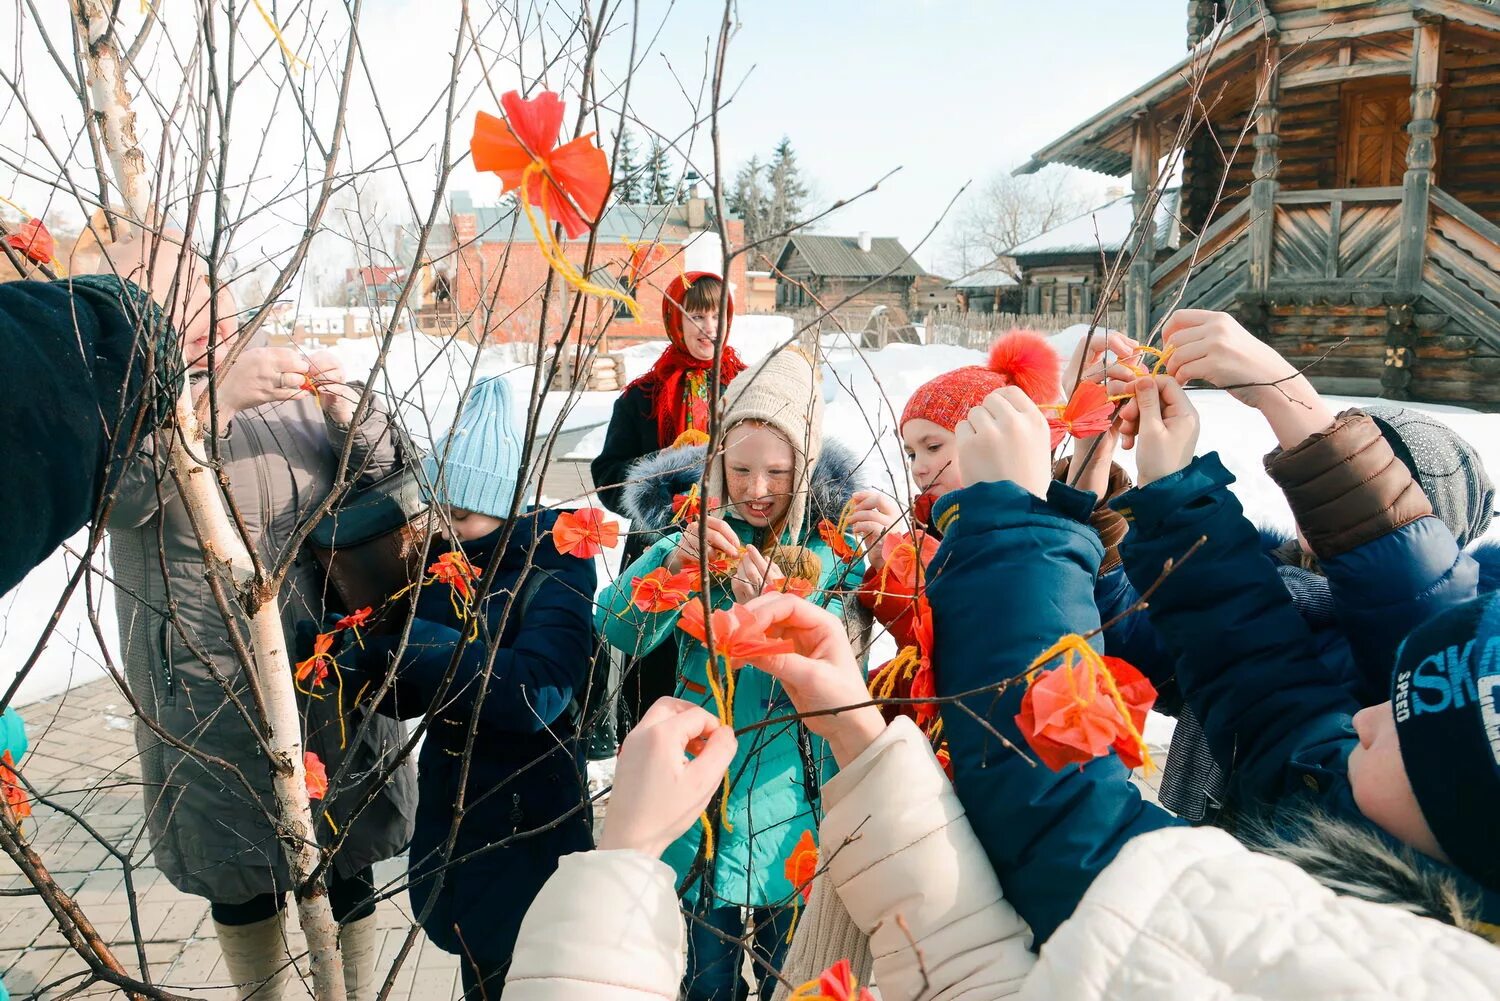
802	865
317	775
1089	412
1085	707
837	983
737	636
800	587
585	533
572	181
15	796
833	535
32	240
455	570
317	664
642	255
354	619
687	507
721	565
904	562
659	591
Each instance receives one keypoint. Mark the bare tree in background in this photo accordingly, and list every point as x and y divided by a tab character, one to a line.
1007	210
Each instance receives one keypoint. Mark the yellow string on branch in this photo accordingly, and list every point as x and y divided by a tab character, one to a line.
554	254
292	58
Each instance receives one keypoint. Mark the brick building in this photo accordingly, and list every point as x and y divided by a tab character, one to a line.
499	271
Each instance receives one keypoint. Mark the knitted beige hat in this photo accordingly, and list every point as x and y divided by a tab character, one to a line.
783	393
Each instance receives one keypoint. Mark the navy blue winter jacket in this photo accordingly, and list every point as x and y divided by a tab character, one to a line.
1026	570
1246	661
528	770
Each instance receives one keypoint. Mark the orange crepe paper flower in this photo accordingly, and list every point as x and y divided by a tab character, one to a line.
802	865
799	587
687	507
836	540
643	254
317	775
1085	707
32	240
455	570
904	561
572	181
837	983
585	533
737	636
354	619
317	664
15	796
721	565
1088	412
659	591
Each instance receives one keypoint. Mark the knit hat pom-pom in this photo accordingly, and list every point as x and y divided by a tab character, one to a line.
1025	359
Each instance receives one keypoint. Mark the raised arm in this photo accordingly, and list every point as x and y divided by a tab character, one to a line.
1246	661
1390	564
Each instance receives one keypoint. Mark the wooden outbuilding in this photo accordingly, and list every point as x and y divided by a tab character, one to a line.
1340	186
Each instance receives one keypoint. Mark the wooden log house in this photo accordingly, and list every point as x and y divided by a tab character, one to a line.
1342	176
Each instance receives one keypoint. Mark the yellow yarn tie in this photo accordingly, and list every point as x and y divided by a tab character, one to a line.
554	253
1074	649
293	60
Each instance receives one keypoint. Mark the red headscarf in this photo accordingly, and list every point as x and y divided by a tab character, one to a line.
665	385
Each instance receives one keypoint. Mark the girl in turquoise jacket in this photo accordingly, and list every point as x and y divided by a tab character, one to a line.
770	486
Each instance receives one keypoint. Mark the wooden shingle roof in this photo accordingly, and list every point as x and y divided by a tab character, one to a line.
840	256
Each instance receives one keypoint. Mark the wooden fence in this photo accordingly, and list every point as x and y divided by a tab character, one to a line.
977	330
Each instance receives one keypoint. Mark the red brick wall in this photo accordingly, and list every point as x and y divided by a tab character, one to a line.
508	278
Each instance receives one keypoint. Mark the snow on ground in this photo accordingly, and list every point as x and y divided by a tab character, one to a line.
865	392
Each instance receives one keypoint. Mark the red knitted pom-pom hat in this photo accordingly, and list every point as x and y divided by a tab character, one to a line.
1019	358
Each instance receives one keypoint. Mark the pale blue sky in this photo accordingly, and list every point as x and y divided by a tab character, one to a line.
949	90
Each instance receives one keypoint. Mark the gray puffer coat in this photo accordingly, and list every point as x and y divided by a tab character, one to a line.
209	831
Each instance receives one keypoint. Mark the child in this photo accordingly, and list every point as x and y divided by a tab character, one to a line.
768	475
1245	663
1182	912
525	802
1346	487
651	414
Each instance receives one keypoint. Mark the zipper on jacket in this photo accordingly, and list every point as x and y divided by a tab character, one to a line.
169	676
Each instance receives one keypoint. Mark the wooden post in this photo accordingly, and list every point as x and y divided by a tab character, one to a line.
1421	157
1263	189
1143	158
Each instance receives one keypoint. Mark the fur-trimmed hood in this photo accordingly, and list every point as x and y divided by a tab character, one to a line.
658	477
1355	860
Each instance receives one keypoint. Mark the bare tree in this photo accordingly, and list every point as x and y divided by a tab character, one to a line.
1008	210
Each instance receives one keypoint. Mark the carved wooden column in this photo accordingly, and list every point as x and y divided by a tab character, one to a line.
1143	161
1263	189
1421	157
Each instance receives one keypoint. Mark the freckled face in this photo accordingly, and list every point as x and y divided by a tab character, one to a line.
758	468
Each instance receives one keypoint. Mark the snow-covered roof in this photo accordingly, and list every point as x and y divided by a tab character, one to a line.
986	278
1105	228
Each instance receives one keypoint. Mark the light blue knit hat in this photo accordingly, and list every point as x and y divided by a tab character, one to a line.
480	458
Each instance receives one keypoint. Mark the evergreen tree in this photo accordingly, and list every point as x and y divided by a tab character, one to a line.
788	196
627	172
657	187
750	200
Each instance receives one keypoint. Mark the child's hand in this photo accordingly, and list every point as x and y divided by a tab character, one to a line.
1005	438
1087	362
872	517
821	674
753	574
659	791
1168	428
1214	347
721	538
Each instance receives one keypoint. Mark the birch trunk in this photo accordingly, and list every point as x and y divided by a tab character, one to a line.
224	551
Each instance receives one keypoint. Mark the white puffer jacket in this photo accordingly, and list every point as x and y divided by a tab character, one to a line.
1181	914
